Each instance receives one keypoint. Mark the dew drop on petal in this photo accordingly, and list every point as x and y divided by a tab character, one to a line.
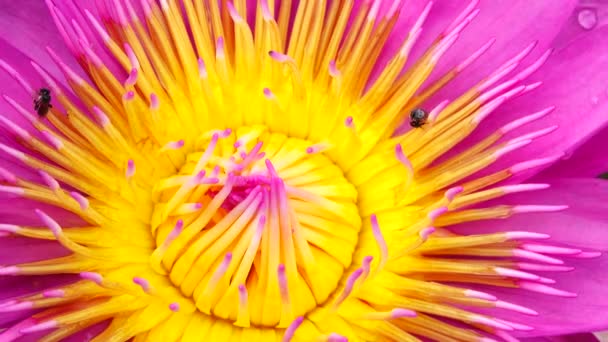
587	18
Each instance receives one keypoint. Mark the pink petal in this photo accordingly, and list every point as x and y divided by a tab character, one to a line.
589	15
14	286
19	62
90	332
585	337
16	250
589	160
20	211
584	224
560	316
514	24
28	27
573	81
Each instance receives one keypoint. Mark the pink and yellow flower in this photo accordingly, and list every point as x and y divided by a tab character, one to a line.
247	170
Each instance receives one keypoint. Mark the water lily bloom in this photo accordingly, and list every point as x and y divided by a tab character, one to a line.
300	171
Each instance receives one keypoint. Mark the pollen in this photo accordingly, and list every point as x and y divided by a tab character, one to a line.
249	173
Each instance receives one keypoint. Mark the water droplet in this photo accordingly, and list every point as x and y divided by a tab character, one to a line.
595	100
587	18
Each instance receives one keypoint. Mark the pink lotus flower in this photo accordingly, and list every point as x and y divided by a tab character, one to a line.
251	171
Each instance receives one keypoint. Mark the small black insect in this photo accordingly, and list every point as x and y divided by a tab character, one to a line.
42	102
418	117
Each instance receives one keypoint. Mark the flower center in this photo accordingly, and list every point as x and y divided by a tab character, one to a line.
255	220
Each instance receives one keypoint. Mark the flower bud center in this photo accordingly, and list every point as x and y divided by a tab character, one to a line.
255	228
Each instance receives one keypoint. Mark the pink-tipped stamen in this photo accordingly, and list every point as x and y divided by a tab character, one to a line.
12	190
234	14
348	122
318	148
491	322
519	209
9	228
291	330
175	145
516	235
49	222
17	307
266	14
402	313
333	69
154	102
366	266
525	120
55	293
348	287
543	268
174	307
587	255
421	18
511	147
502	334
402	158
143	283
90	54
7	176
534	163
507	272
16	76
92	276
334	337
279	57
202	69
545	280
129	96
283	288
268	94
499	89
12	152
101	116
410	42
479	295
426	233
536	134
68	71
549	249
434	114
132	57
130	172
9	270
514	307
522	75
49	181
132	79
39	327
544	289
219	48
516	326
80	199
434	214
451	193
16	129
464	64
511	189
52	139
382	247
443	47
522	253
